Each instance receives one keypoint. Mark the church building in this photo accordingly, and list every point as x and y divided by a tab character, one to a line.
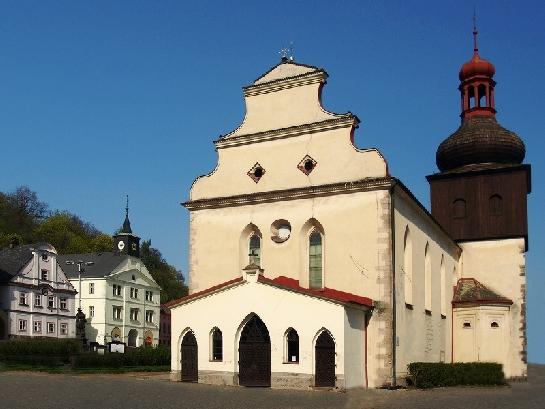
310	265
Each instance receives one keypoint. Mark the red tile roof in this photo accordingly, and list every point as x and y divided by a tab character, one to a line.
283	283
325	293
471	291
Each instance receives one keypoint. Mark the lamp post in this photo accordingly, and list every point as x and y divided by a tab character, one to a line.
80	316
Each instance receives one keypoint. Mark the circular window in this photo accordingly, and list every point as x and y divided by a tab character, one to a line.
280	231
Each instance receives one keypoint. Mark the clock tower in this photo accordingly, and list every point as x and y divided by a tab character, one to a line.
125	241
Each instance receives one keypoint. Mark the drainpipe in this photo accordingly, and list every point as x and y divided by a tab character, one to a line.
392	246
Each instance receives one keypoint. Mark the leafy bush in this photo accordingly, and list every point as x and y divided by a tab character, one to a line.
39	351
143	356
431	374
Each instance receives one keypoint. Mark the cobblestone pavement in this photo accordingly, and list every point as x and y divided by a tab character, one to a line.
30	390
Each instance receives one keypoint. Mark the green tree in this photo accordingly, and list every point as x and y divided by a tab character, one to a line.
163	273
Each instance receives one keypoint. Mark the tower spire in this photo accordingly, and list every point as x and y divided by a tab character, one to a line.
127	207
126	224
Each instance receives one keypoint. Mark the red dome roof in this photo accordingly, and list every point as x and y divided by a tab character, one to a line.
477	66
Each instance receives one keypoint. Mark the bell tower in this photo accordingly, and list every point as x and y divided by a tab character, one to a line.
481	190
125	241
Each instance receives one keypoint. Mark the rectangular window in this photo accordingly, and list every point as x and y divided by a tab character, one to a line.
134	292
91	311
64	329
45	275
37	300
91	288
134	314
51	302
117	290
50	327
63	304
149	316
22	298
22	325
37	326
149	296
116	312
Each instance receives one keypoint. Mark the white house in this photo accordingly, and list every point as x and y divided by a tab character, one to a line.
36	298
119	297
311	265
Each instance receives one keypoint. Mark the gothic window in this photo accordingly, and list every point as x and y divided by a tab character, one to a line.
495	204
408	267
292	346
459	209
217	345
254	252
427	279
315	260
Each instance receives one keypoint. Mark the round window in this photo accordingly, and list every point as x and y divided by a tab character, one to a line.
280	231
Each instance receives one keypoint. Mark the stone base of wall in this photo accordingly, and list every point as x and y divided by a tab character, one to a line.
279	380
218	378
175	376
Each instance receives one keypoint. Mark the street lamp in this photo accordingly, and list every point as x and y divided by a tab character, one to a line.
80	316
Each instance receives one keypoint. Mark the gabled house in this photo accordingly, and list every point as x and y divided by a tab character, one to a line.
36	298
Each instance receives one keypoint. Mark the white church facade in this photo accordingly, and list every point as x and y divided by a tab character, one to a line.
311	265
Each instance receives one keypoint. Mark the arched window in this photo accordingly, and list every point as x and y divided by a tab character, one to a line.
254	250
217	345
443	284
494	324
427	278
495	205
315	260
292	346
459	209
408	267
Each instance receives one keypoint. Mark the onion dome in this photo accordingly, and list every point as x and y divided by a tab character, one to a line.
479	139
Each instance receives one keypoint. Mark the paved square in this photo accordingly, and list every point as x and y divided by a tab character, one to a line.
31	390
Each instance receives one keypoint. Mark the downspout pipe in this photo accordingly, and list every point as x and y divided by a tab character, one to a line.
393	249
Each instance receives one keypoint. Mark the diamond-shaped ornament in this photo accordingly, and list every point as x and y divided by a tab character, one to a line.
307	165
256	173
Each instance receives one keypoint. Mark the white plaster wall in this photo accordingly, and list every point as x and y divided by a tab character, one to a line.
279	310
419	336
501	266
354	348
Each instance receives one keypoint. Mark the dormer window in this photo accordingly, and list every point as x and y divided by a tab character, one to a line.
45	275
44	256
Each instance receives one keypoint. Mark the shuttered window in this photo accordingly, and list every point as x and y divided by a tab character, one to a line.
315	260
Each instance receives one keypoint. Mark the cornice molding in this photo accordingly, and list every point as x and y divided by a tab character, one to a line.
291	194
344	121
313	77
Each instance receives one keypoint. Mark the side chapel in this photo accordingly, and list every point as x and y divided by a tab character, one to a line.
311	265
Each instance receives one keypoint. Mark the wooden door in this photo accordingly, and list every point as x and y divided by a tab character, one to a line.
254	354
324	361
190	367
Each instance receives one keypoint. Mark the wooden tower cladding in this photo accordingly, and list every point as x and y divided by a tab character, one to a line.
481	190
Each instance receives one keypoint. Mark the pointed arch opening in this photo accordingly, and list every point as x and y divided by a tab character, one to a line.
250	246
324	360
216	345
312	237
443	285
254	354
189	357
427	279
408	267
291	346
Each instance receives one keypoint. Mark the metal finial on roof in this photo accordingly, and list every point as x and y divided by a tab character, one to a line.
475	32
286	53
127	207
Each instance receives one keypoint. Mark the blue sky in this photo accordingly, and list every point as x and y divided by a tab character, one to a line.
107	98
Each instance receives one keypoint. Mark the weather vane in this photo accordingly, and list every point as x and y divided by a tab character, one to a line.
286	53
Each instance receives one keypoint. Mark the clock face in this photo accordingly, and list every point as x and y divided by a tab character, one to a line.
121	245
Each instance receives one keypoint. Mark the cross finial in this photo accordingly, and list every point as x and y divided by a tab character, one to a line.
286	53
127	206
475	32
